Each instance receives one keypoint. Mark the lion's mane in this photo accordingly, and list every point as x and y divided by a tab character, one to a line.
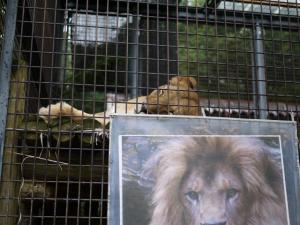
259	170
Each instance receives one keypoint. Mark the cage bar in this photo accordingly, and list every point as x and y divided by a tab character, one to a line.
97	55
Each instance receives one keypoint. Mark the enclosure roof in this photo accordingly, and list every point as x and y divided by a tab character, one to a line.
278	7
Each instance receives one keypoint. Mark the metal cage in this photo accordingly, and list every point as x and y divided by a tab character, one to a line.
94	54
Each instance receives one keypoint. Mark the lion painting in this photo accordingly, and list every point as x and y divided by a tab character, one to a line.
203	180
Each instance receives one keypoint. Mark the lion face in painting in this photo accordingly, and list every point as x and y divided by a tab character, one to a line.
209	192
215	181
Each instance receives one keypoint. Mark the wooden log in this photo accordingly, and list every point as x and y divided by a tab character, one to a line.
96	157
9	188
30	190
51	171
44	190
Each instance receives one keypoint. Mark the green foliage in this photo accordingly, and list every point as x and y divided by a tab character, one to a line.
221	57
88	101
282	51
87	79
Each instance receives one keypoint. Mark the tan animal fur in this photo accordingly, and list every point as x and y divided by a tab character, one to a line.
216	181
177	97
54	111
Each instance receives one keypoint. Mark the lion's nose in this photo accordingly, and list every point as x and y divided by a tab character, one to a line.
221	223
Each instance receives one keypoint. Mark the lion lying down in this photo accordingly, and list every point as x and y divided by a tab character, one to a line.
178	97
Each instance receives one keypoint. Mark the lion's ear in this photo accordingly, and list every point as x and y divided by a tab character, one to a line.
148	174
192	82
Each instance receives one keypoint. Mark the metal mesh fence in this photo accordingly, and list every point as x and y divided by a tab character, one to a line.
94	54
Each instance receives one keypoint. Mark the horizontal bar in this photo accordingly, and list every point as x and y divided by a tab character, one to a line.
200	14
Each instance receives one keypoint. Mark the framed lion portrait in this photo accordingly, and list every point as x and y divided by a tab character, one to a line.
202	171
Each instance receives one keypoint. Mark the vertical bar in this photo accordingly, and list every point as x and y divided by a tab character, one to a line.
133	58
254	79
63	50
5	68
260	71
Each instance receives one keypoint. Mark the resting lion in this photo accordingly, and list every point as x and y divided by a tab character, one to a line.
178	97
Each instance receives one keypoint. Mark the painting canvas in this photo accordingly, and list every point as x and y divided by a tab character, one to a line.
203	172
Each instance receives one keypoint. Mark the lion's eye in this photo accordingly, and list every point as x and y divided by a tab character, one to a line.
192	195
161	92
231	193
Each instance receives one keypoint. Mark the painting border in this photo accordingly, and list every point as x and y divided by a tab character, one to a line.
136	125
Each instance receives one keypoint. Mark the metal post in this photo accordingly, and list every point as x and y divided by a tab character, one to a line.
63	49
5	68
254	79
133	59
260	71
